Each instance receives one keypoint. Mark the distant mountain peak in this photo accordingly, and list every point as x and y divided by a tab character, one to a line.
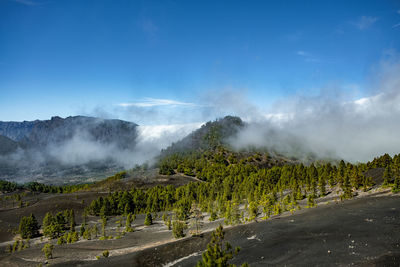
41	132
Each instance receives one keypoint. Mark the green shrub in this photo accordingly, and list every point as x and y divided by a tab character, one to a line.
48	250
178	229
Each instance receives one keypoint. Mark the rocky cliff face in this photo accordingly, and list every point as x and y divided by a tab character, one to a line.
58	130
16	131
59	148
7	145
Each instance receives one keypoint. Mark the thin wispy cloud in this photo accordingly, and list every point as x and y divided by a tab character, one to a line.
308	57
302	53
396	25
154	102
365	22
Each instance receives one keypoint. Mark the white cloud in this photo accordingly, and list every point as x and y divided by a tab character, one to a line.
396	25
154	102
307	56
302	53
167	133
278	118
330	126
365	22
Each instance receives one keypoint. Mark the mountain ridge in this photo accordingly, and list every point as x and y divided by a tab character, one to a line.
75	146
210	135
57	129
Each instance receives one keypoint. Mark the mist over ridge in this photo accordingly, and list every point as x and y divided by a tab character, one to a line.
330	126
325	126
80	146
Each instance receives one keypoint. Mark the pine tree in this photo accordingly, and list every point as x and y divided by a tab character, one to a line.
61	240
53	226
253	210
28	227
310	201
322	184
72	223
313	178
82	230
95	230
128	226
47	220
84	217
87	234
367	182
127	209
232	215
341	172
20	245
148	220
48	250
346	187
178	229
396	185
103	226
218	254
74	237
387	176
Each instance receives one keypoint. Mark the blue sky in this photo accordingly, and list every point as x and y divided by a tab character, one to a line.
161	61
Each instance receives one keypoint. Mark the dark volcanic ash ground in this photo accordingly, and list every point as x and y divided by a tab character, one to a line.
361	232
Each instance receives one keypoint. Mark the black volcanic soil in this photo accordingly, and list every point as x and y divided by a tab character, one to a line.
41	203
362	232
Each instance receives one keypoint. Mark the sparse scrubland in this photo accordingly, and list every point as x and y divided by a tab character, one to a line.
221	186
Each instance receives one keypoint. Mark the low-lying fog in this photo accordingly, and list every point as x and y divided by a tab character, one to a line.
332	124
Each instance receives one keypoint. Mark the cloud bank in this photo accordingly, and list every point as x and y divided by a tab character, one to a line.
81	149
329	126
